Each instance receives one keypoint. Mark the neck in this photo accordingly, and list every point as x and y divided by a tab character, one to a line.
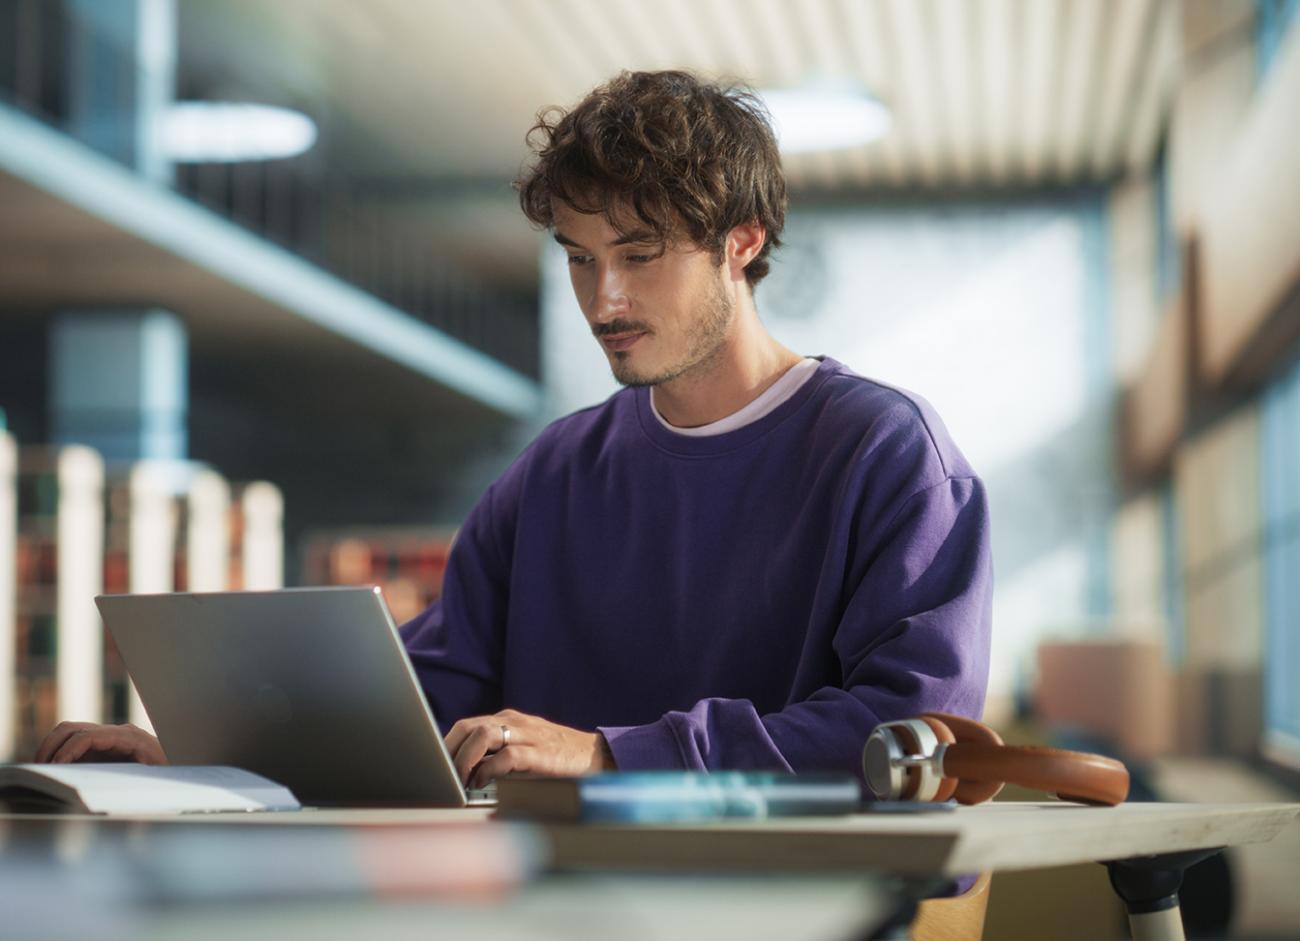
746	364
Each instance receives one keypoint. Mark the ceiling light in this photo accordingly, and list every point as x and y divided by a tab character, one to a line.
824	117
227	132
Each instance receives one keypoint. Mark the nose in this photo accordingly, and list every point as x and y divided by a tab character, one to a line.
610	300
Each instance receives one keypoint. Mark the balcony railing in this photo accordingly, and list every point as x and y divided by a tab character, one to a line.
305	204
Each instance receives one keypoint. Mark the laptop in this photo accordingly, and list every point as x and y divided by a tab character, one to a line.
310	687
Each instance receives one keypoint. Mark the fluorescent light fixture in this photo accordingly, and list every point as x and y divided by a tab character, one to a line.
228	132
824	117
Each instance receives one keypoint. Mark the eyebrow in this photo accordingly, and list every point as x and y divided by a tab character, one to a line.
631	238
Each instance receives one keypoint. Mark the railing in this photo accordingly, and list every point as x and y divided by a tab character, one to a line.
303	204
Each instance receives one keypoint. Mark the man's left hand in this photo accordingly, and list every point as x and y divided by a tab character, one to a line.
482	753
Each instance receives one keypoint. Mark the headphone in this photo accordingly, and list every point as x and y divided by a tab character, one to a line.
939	757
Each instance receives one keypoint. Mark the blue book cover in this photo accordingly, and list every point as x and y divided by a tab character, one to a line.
677	796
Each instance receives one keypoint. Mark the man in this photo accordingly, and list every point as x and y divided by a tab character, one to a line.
745	558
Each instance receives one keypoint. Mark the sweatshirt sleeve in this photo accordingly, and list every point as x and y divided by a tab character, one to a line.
914	636
455	644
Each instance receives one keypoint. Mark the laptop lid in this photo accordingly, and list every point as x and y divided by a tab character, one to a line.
310	687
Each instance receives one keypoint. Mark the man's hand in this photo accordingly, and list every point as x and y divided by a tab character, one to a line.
482	754
86	741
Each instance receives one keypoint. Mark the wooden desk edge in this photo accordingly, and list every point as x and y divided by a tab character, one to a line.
1001	836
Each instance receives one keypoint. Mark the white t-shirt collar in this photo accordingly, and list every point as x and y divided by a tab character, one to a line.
771	399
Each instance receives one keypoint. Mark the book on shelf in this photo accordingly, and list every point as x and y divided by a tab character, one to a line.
406	562
129	788
676	796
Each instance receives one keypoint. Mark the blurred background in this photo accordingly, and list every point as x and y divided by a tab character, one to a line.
270	315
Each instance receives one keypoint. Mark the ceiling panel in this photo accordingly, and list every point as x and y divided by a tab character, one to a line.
1153	91
884	162
997	36
985	93
1128	35
1084	64
1040	53
918	109
957	50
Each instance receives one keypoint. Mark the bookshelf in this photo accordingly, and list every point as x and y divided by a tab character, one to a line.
58	654
68	532
407	563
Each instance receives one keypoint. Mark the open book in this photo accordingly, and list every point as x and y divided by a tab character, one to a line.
126	788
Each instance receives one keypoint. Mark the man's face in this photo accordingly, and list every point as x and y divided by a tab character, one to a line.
659	312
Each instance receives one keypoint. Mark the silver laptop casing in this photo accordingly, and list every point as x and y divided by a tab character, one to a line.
310	687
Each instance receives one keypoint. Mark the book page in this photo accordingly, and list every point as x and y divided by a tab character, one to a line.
124	788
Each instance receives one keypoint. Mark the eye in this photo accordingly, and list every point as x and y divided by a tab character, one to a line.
576	260
640	259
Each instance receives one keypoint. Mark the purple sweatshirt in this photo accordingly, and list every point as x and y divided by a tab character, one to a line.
759	599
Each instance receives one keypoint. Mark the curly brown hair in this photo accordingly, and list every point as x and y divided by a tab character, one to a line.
687	157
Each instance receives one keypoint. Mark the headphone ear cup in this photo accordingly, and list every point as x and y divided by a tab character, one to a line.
947	786
912	741
963	729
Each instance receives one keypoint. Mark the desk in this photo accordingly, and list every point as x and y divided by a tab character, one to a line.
310	876
836	870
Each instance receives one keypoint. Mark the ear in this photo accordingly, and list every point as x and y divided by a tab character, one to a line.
744	242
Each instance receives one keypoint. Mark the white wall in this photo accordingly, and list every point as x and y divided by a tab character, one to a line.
998	316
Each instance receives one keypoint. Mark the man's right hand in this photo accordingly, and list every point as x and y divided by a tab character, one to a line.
86	741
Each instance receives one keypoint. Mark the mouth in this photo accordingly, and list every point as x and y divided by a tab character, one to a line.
618	342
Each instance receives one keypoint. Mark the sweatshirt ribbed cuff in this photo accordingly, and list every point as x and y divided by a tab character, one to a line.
643	747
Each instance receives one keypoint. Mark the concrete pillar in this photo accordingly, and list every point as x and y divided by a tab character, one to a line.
122	78
118	383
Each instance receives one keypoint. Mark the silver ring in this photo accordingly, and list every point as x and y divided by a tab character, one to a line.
505	735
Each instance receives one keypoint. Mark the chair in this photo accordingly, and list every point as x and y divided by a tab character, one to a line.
960	918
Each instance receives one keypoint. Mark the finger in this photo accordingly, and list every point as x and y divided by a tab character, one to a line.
520	725
463	729
57	736
102	744
502	763
457	734
72	749
471	752
136	744
150	751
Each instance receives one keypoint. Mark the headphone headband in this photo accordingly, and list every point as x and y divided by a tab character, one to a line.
1070	775
937	756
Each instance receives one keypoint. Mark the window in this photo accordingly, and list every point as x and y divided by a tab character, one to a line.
1280	467
1272	19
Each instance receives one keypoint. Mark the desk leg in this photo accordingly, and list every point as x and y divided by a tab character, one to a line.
1149	887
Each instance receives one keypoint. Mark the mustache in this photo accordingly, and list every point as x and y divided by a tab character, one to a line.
618	326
